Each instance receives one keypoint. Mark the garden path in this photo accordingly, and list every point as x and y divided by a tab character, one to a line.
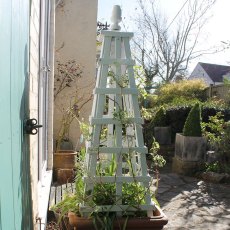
191	203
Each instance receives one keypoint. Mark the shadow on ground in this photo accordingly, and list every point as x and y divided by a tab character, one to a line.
190	203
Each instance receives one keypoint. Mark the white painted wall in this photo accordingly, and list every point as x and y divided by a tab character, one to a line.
76	24
199	73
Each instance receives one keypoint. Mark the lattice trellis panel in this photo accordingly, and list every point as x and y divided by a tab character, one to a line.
117	138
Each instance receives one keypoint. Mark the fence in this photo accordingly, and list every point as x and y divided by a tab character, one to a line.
219	91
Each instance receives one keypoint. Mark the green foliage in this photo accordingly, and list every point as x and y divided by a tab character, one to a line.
226	141
85	130
192	125
183	101
155	118
213	167
155	147
157	161
122	81
140	79
104	194
122	116
151	100
217	167
215	103
101	192
214	130
133	194
217	132
146	114
186	89
70	203
176	116
227	96
160	119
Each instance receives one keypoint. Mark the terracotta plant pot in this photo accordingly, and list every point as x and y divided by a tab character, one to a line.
64	165
63	176
157	221
64	159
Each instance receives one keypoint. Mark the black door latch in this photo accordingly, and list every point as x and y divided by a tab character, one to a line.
31	126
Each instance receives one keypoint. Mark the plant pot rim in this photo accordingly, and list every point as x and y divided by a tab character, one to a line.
157	221
67	152
181	134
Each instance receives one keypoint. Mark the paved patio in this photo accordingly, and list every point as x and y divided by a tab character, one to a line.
190	203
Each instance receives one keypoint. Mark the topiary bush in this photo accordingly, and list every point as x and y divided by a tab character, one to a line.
160	119
176	116
192	126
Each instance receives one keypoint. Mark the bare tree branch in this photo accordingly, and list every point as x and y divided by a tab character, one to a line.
165	49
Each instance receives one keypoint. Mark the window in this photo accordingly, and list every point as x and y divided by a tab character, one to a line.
43	85
44	175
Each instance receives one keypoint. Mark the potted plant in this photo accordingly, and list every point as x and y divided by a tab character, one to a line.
112	182
105	194
95	203
96	207
162	131
190	146
68	102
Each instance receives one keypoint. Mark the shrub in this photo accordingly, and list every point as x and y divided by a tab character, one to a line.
213	167
186	89
182	101
176	117
214	130
217	132
160	119
192	125
157	118
150	101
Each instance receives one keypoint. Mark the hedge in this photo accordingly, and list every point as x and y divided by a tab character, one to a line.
176	117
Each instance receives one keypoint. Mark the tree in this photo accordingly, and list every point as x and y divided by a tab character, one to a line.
165	49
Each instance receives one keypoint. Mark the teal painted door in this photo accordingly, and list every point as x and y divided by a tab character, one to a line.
15	198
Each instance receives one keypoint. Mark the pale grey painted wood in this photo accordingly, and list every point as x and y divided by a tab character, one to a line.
116	57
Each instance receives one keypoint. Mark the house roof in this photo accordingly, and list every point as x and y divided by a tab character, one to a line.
214	71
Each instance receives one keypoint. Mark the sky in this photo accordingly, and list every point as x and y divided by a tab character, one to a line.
216	30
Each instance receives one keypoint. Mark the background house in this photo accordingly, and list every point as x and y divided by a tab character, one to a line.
212	74
26	89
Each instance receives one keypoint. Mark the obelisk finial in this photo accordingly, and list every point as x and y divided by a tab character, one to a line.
116	18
